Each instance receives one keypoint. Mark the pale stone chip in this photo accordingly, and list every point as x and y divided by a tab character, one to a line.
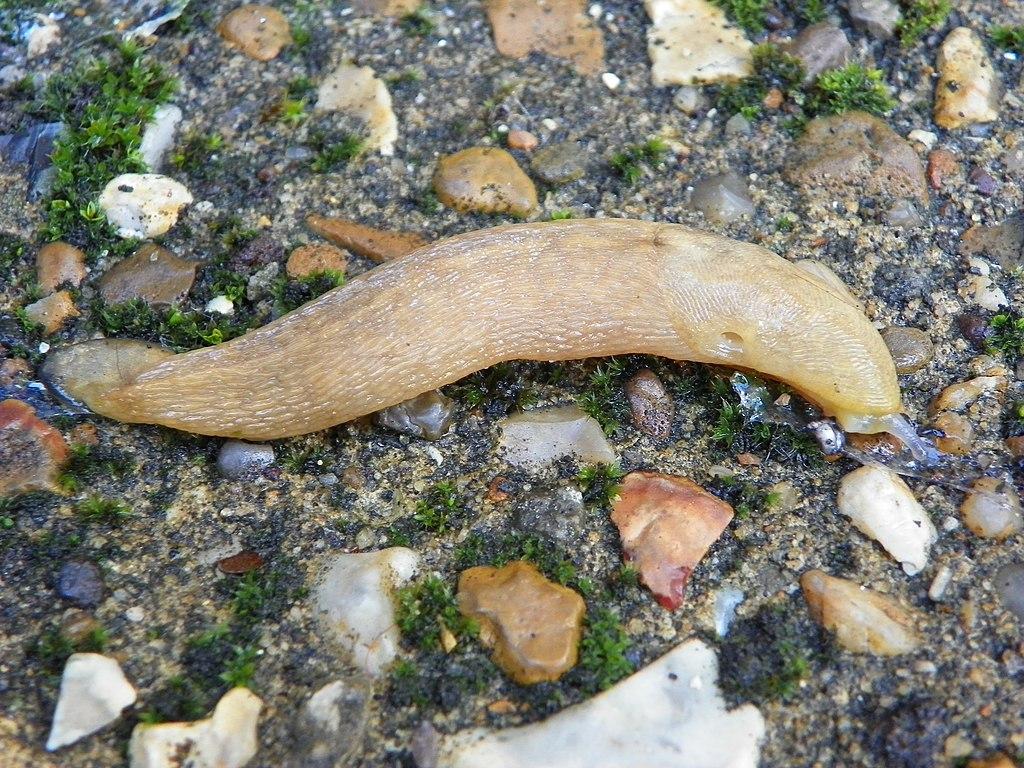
358	92
690	41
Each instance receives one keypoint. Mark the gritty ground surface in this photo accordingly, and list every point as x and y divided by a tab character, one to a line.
964	681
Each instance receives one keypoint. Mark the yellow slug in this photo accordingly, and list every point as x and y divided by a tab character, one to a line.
557	290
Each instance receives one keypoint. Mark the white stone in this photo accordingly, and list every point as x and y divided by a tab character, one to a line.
690	41
537	438
986	294
227	739
358	92
159	135
93	691
670	714
882	507
925	138
611	80
221	305
727	601
969	88
42	36
939	584
143	205
354	601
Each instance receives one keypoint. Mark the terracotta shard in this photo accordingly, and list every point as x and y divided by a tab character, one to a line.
559	28
374	244
667	524
31	451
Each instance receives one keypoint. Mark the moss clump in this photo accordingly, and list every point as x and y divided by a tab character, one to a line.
87	464
631	162
289	295
177	328
435	511
773	68
603	650
52	647
602	398
97	509
746	498
197	154
919	17
12	252
1008	38
105	106
1007	336
421	609
853	87
333	155
418	23
749	14
600	483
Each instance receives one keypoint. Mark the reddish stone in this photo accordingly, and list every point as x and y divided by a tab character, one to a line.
375	244
941	163
240	563
31	451
522	140
496	492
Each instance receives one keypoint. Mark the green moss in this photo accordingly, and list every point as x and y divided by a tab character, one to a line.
289	295
435	511
1007	336
406	685
105	106
785	224
97	509
86	464
421	609
12	253
254	595
241	667
746	498
773	68
304	456
428	204
811	11
334	155
52	648
602	398
560	215
196	154
749	14
405	77
920	17
177	328
600	483
550	559
633	161
853	87
603	650
505	387
418	23
181	698
1007	37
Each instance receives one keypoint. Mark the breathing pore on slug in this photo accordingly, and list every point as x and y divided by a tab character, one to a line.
540	291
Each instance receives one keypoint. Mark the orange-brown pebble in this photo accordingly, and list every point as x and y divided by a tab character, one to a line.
748	459
1015	445
959	433
772	99
502	707
559	28
941	164
153	274
14	368
258	31
496	492
523	140
85	434
375	244
533	625
485	180
998	760
314	259
958	396
59	263
52	311
31	451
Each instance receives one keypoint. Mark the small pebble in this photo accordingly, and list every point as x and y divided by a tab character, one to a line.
992	510
737	125
81	582
375	244
560	163
939	584
143	205
968	90
722	198
650	404
220	305
1009	585
93	692
159	135
357	91
52	311
263	251
330	726
58	263
485	180
153	274
556	514
688	99
539	437
240	563
911	349
903	214
523	140
31	451
941	164
692	42
428	416
975	329
926	139
238	459
958	433
820	47
958	396
310	260
562	30
983	182
258	31
611	80
876	17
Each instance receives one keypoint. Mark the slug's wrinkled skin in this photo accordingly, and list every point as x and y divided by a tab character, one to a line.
541	291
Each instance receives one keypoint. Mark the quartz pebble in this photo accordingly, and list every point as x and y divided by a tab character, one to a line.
533	625
93	691
1009	585
428	416
559	28
485	180
863	621
650	403
51	312
159	135
670	712
560	163
258	31
911	349
539	437
237	459
226	739
903	214
81	582
691	42
722	198
143	205
554	514
883	508
375	244
992	510
330	726
153	274
315	259
353	601
856	154
876	17
667	524
220	305
969	89
357	91
820	47
31	451
59	263
958	396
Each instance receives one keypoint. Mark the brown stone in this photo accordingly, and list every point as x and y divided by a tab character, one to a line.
958	396
667	524
998	760
52	311
941	164
31	451
772	99
559	28
14	368
241	562
1003	242
59	263
748	459
533	625
650	404
258	31
485	180
85	434
152	274
1015	445
523	140
374	244
315	259
911	349
856	154
496	492
959	433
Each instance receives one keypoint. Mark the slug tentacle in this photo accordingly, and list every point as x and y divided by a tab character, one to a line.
541	291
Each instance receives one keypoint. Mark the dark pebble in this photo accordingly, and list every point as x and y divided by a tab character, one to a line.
560	163
554	514
260	252
975	329
911	349
240	563
983	182
81	582
650	404
238	459
428	416
1009	582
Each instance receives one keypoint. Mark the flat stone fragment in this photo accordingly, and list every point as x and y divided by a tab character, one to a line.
143	205
357	91
863	621
375	244
883	508
560	163
1003	242
1009	585
820	47
59	263
969	89
428	416
876	17
722	198
670	714
238	458
958	396
485	180
533	625
315	259
93	691
854	154
226	739
353	601
159	135
258	31
691	42
394	8
539	437
152	274
329	728
911	349
650	403
31	451
667	524
52	311
559	28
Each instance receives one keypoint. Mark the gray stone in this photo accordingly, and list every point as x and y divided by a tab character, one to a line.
1009	583
737	125
560	163
81	582
153	274
876	17
903	214
911	349
555	514
328	731
428	416
821	47
33	147
650	404
1003	242
238	459
722	198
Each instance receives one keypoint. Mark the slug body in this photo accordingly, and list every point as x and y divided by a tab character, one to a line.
540	291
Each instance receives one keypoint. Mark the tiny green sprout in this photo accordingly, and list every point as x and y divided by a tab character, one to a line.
418	23
422	608
300	87
337	155
600	483
435	511
920	16
853	87
405	77
600	397
293	111
785	224
1008	38
561	215
1007	335
301	36
812	11
630	163
241	667
99	509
